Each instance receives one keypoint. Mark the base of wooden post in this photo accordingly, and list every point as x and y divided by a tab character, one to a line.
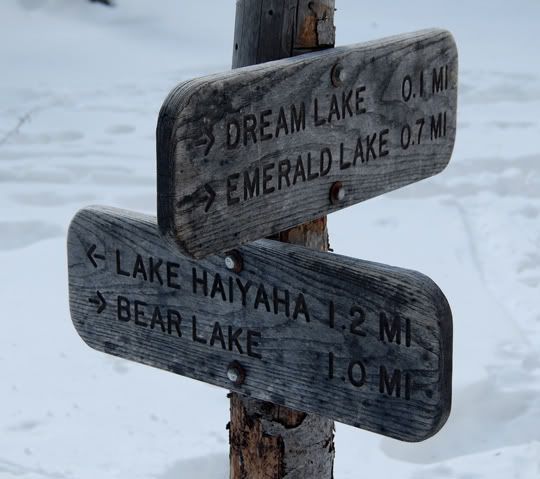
273	442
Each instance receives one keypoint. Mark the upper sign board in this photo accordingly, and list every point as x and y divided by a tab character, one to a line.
248	153
362	343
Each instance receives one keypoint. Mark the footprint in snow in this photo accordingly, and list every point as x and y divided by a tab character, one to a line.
32	4
46	138
485	416
19	234
120	129
529	212
50	198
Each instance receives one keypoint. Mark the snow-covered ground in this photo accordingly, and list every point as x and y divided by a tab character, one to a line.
80	89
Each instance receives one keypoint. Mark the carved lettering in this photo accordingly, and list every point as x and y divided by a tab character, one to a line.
439	79
265	123
196	338
200	281
217	287
301	308
123	312
267	178
282	123
262	297
250	128
393	331
251	184
389	332
233	339
281	300
126	310
157	319
233	134
154	270
298	118
284	170
389	385
359	317
232	186
357	373
393	385
217	335
148	269
252	337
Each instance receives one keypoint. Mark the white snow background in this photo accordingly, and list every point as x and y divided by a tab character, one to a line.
80	89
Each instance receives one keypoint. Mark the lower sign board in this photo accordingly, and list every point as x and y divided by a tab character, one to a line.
251	152
362	343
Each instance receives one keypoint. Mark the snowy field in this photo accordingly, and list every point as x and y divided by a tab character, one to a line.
80	89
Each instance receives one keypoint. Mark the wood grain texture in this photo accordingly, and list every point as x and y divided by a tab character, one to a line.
267	30
239	156
268	440
315	25
358	342
258	25
272	441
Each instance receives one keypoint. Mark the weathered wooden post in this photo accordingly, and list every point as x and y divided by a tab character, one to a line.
267	440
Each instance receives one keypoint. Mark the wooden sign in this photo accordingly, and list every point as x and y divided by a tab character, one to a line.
362	343
248	153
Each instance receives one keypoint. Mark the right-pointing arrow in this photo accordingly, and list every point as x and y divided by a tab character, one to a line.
99	301
208	141
210	198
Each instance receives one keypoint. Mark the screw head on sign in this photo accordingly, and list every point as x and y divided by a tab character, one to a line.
236	373
338	75
337	192
234	261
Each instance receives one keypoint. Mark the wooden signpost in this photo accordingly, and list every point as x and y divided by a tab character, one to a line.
362	343
251	152
245	155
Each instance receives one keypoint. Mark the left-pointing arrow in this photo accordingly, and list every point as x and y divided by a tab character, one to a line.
99	301
92	256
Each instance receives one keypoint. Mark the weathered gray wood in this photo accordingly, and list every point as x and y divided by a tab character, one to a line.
244	37
258	24
274	29
362	343
389	122
265	439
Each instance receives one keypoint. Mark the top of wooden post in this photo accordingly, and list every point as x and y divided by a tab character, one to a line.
267	30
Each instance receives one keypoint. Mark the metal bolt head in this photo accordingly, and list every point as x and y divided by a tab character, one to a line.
236	373
337	192
229	262
234	261
338	75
